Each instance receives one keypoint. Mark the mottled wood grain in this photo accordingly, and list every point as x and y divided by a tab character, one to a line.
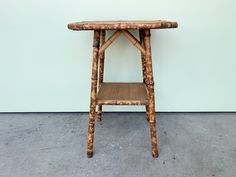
121	25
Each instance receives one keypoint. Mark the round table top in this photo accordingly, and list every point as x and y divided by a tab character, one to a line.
122	25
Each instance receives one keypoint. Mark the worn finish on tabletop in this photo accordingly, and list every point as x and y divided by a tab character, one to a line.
122	25
122	93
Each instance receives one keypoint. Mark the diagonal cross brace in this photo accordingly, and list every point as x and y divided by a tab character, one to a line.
128	35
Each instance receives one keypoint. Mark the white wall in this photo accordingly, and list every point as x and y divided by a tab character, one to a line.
46	67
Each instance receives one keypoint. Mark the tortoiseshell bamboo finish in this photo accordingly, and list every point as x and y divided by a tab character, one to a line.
147	78
137	94
101	70
93	99
150	84
122	25
141	37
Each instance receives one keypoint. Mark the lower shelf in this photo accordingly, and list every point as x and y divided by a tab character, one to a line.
122	94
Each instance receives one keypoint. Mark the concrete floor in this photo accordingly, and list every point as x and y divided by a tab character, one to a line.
54	145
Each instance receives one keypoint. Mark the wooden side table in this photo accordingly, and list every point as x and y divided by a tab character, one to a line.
103	93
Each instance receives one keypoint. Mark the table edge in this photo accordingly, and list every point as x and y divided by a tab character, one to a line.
79	26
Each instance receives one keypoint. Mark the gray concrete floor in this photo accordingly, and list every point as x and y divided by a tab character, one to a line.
54	145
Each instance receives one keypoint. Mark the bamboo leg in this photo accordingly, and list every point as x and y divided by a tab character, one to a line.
101	70
93	94
141	37
150	83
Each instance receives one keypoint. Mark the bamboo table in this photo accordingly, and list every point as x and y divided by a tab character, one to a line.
103	93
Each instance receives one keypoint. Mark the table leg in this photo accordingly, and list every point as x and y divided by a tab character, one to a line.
93	99
141	38
101	70
151	99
